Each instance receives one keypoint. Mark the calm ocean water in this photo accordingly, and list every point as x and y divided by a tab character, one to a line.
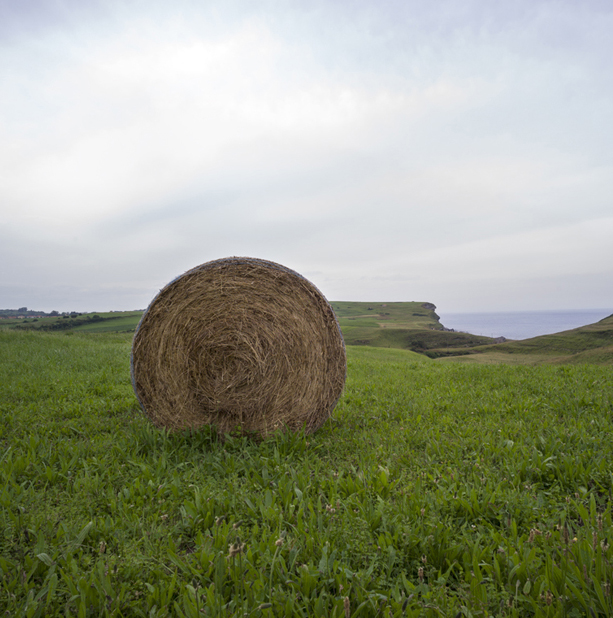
521	324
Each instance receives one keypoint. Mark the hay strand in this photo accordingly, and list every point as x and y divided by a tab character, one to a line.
239	343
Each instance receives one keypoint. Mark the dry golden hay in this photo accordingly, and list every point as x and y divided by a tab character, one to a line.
239	343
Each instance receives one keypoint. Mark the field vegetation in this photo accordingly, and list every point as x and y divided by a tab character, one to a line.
436	489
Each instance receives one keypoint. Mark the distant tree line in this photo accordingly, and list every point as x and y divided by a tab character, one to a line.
67	322
32	313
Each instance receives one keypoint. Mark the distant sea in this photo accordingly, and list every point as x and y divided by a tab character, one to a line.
521	324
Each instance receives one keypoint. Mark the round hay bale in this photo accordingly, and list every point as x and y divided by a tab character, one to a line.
239	343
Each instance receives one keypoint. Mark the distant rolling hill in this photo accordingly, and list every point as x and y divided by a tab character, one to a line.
411	326
416	326
592	343
104	322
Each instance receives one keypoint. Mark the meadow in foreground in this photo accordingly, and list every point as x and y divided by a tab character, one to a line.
435	490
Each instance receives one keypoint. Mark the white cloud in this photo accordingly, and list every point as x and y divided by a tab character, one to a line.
422	143
575	249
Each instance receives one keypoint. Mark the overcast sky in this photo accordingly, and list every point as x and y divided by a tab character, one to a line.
456	152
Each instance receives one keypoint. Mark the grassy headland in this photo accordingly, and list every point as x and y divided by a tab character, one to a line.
416	327
409	326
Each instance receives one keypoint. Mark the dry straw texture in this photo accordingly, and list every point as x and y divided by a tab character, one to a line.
239	343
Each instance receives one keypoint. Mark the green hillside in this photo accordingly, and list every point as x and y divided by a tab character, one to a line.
410	326
112	321
587	344
120	321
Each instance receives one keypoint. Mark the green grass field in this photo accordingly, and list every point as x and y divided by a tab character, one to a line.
436	489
